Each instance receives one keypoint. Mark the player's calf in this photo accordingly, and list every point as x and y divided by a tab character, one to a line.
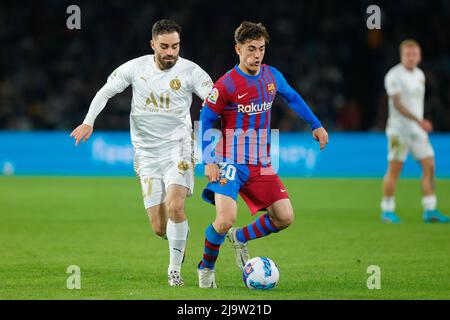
261	227
213	241
159	230
158	219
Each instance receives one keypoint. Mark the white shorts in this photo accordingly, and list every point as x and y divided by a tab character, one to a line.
156	175
400	145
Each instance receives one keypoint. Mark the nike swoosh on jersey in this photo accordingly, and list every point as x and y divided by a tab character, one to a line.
240	96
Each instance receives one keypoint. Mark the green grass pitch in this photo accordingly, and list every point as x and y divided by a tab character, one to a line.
99	224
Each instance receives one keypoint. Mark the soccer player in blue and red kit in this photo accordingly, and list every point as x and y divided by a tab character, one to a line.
239	160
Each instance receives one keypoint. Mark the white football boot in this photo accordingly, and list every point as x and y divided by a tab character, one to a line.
174	279
240	249
206	278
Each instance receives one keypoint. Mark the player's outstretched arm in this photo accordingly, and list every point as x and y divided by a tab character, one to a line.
302	109
82	132
296	103
118	81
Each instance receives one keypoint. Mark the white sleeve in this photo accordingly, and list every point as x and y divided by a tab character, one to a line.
422	74
118	81
201	83
392	84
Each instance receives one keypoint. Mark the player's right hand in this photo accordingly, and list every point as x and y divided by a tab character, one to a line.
426	125
212	171
82	132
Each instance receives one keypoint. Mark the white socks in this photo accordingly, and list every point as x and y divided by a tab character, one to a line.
388	204
429	202
176	234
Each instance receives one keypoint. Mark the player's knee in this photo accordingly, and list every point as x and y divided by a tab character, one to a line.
176	210
223	225
284	221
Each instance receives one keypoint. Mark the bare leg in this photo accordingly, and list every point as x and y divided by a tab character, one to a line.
176	196
158	216
428	185
391	178
226	213
281	213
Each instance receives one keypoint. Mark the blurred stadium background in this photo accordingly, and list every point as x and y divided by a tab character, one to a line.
49	74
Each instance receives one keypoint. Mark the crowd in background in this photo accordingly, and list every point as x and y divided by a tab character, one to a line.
49	74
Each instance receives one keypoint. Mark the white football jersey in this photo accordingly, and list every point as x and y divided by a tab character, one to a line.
411	87
160	119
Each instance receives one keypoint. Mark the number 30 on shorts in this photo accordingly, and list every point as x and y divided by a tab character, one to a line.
228	171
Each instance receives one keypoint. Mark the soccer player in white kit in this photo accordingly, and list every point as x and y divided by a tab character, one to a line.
407	131
161	132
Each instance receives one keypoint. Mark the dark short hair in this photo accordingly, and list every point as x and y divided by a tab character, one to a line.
165	26
250	31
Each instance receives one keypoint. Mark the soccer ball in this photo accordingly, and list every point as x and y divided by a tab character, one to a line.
260	273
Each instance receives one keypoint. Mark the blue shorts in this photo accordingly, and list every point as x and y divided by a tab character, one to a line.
259	187
232	178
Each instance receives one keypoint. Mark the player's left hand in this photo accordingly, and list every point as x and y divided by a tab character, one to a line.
321	135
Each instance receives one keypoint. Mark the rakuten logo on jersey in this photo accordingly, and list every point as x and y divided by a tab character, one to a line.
254	108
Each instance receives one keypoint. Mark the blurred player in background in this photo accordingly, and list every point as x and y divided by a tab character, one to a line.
243	99
407	130
161	132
